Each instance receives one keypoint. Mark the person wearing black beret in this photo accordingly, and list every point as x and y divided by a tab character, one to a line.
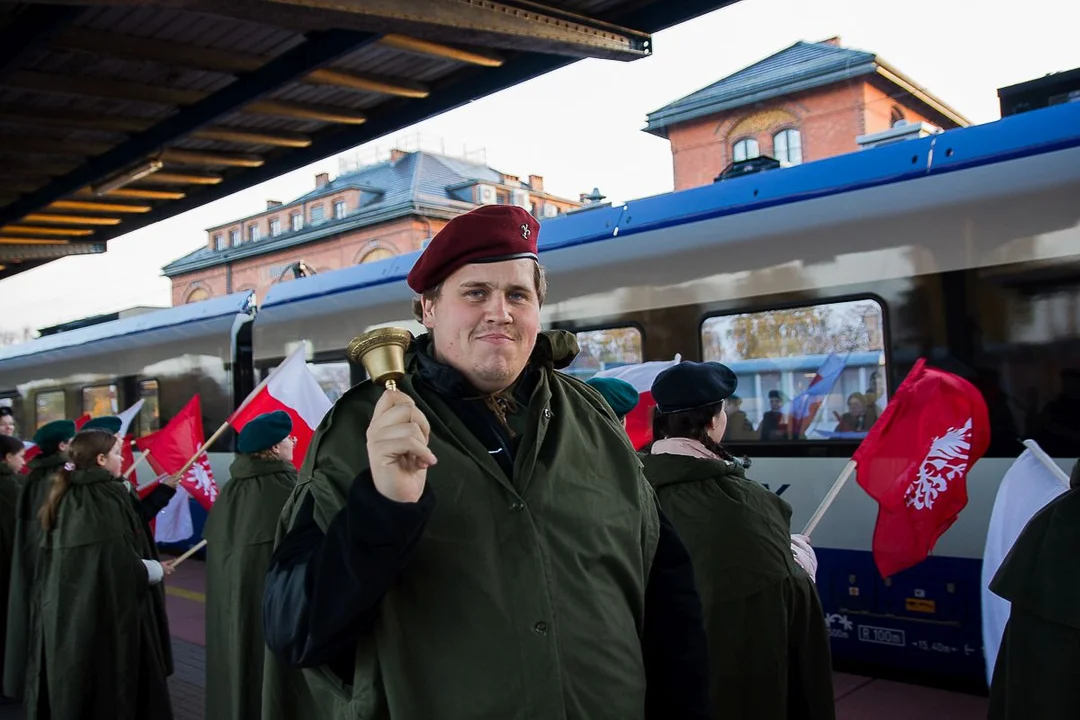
769	655
53	439
774	424
240	539
7	421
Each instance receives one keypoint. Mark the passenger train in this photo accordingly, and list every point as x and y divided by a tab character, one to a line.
961	247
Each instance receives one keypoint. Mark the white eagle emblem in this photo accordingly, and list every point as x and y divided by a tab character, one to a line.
946	461
200	475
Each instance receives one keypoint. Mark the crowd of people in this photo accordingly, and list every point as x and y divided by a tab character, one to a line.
480	542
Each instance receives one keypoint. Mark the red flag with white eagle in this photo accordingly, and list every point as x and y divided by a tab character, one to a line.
641	376
915	461
176	443
291	387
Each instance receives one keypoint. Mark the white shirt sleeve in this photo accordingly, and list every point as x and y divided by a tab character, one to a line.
153	567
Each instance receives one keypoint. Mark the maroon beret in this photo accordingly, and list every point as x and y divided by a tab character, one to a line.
490	233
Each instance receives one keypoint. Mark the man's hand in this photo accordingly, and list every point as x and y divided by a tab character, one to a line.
397	445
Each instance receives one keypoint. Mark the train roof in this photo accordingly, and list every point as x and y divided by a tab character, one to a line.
117	115
183	323
819	193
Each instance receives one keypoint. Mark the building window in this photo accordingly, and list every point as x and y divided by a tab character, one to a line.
296	222
253	232
787	146
376	254
234	238
275	227
219	242
339	209
745	149
197	295
502	198
318	214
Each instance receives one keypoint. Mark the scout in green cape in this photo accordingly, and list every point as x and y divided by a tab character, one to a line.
480	542
96	640
620	395
768	645
53	440
147	509
1039	661
240	539
11	464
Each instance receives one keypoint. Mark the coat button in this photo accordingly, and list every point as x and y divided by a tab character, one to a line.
517	506
540	628
548	414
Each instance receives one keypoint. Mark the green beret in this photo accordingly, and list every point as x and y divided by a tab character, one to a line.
264	431
50	435
109	423
620	395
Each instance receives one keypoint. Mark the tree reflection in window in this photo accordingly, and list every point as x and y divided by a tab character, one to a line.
605	349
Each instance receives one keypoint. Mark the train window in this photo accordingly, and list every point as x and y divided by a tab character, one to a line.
98	400
150	416
49	406
806	373
333	378
604	349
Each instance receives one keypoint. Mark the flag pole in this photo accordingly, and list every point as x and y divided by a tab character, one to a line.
145	455
829	498
202	448
189	553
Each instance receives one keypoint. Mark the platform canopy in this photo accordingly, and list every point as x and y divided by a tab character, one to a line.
116	114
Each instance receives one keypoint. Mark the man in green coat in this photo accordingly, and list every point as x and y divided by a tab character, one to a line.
480	542
1038	664
53	439
768	643
240	539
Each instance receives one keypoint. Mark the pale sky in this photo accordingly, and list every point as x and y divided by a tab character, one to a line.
580	126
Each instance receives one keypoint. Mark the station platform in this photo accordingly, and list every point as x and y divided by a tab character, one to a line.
857	697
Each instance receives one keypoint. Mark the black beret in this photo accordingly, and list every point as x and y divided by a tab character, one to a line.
50	435
5	411
692	385
109	423
619	394
264	431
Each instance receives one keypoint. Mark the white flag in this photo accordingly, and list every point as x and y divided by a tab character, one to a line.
173	523
128	415
1026	488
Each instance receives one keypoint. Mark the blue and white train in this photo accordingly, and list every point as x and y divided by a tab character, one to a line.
961	247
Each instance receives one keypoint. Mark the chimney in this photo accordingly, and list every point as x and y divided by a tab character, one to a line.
834	41
536	182
322	180
511	180
396	155
271	204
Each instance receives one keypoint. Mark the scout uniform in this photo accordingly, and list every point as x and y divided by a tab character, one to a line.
533	579
240	539
768	644
27	544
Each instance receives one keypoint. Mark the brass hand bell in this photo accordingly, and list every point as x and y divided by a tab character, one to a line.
382	353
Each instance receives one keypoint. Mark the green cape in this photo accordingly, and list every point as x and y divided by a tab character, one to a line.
24	562
769	654
97	642
240	540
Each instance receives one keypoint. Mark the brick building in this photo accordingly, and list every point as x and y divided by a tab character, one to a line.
373	213
806	102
